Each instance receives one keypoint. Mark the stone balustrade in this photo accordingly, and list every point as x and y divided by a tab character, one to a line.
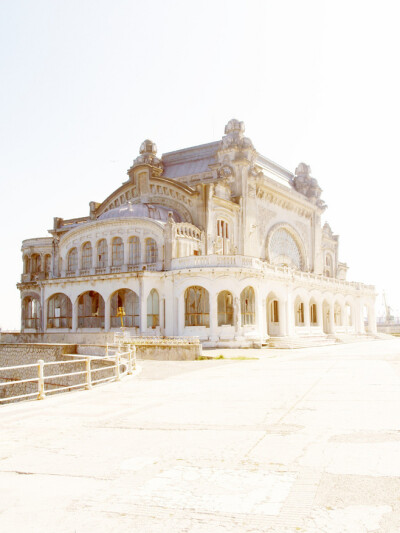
185	229
240	261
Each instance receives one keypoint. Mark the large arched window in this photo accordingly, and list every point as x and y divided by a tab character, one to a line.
117	252
313	313
72	260
337	314
90	310
59	311
31	312
283	250
248	306
225	308
134	250
102	254
197	307
299	312
87	255
153	312
126	302
151	251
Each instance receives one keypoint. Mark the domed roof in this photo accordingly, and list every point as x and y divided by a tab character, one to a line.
129	210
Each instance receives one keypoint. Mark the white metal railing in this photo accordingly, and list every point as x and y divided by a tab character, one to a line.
124	364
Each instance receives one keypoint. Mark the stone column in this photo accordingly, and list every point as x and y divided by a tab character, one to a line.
126	253
282	317
142	306
75	315
307	323
331	318
213	316
109	252
320	318
107	314
290	318
237	318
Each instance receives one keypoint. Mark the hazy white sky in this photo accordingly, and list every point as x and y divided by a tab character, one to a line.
84	82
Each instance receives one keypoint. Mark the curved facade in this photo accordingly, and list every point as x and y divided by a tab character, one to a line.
215	241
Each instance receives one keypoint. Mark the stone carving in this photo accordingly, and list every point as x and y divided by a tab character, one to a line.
234	137
307	185
148	150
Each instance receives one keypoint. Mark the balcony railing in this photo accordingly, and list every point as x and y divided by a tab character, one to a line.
240	261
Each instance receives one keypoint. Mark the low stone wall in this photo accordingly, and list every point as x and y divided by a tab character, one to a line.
96	345
67	337
24	354
165	352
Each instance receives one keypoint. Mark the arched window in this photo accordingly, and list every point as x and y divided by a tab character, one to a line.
299	313
338	314
151	251
225	308
284	250
90	310
134	250
102	254
153	313
72	260
117	252
31	313
274	311
35	263
248	306
197	307
47	263
313	314
59	311
222	229
87	255
328	266
127	301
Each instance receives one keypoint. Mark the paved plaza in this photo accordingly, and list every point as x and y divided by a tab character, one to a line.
295	441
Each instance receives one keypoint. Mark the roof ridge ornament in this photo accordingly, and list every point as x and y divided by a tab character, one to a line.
305	184
148	151
234	137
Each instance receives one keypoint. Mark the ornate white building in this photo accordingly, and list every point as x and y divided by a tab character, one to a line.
214	240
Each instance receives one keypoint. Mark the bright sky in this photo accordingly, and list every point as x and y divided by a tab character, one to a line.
84	82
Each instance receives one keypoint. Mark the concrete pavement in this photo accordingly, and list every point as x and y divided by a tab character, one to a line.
296	441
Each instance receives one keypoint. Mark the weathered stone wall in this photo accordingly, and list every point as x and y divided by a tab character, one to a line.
165	352
25	354
58	337
95	344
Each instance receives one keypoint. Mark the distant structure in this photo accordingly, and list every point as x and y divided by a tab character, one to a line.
215	241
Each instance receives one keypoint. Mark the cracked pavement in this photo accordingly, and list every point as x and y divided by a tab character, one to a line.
296	441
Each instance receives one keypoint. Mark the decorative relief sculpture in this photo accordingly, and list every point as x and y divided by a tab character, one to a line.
234	137
307	185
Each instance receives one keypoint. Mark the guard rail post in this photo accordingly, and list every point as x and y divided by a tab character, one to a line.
134	356
88	375
117	375
130	361
41	394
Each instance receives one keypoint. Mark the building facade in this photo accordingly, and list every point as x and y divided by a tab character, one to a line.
214	241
